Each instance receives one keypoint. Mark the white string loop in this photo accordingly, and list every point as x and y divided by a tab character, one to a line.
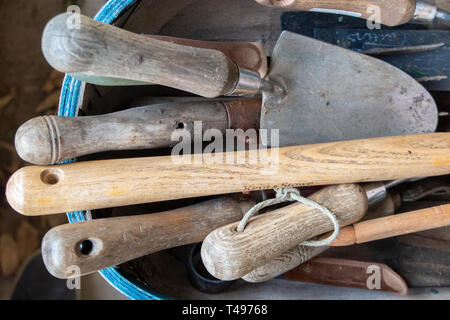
287	195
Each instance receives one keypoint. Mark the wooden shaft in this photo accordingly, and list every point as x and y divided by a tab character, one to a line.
98	244
50	139
392	12
300	254
92	185
392	226
98	49
229	255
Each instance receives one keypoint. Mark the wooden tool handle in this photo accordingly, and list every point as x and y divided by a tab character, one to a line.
300	254
350	274
229	255
283	263
247	55
392	226
392	12
401	224
98	49
98	244
49	140
111	183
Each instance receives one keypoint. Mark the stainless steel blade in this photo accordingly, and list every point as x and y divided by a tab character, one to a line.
333	94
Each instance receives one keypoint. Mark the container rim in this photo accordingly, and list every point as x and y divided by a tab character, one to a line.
71	99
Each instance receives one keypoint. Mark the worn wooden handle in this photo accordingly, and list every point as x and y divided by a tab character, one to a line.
111	183
98	244
300	254
283	263
392	226
392	12
98	49
229	255
50	139
247	55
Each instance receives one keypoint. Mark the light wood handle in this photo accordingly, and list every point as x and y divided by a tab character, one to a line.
300	254
229	255
50	139
111	183
400	224
392	12
98	244
98	49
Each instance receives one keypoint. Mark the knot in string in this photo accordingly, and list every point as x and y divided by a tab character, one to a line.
287	195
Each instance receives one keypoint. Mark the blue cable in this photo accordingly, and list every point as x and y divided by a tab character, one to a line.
68	107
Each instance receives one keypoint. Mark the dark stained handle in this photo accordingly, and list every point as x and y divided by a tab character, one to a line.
50	139
350	274
101	50
98	244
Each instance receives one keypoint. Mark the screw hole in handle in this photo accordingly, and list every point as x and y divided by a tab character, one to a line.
52	176
88	247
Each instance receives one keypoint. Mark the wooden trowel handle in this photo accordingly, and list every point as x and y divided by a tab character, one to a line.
98	244
392	226
392	12
50	139
98	49
229	255
38	190
247	55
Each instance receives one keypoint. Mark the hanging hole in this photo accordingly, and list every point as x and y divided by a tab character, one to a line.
52	176
85	247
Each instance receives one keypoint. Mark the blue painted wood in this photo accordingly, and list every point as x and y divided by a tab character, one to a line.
71	93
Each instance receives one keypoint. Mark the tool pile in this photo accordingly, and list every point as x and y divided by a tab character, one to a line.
352	130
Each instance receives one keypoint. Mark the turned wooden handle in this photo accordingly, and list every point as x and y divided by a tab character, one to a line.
98	49
392	226
247	55
98	244
50	139
229	255
92	185
300	254
392	12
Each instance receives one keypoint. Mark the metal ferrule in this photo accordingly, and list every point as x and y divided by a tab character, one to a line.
376	192
424	11
249	84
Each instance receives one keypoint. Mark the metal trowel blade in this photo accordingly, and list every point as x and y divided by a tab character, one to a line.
334	94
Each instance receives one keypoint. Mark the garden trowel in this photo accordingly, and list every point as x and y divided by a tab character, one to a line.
314	92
